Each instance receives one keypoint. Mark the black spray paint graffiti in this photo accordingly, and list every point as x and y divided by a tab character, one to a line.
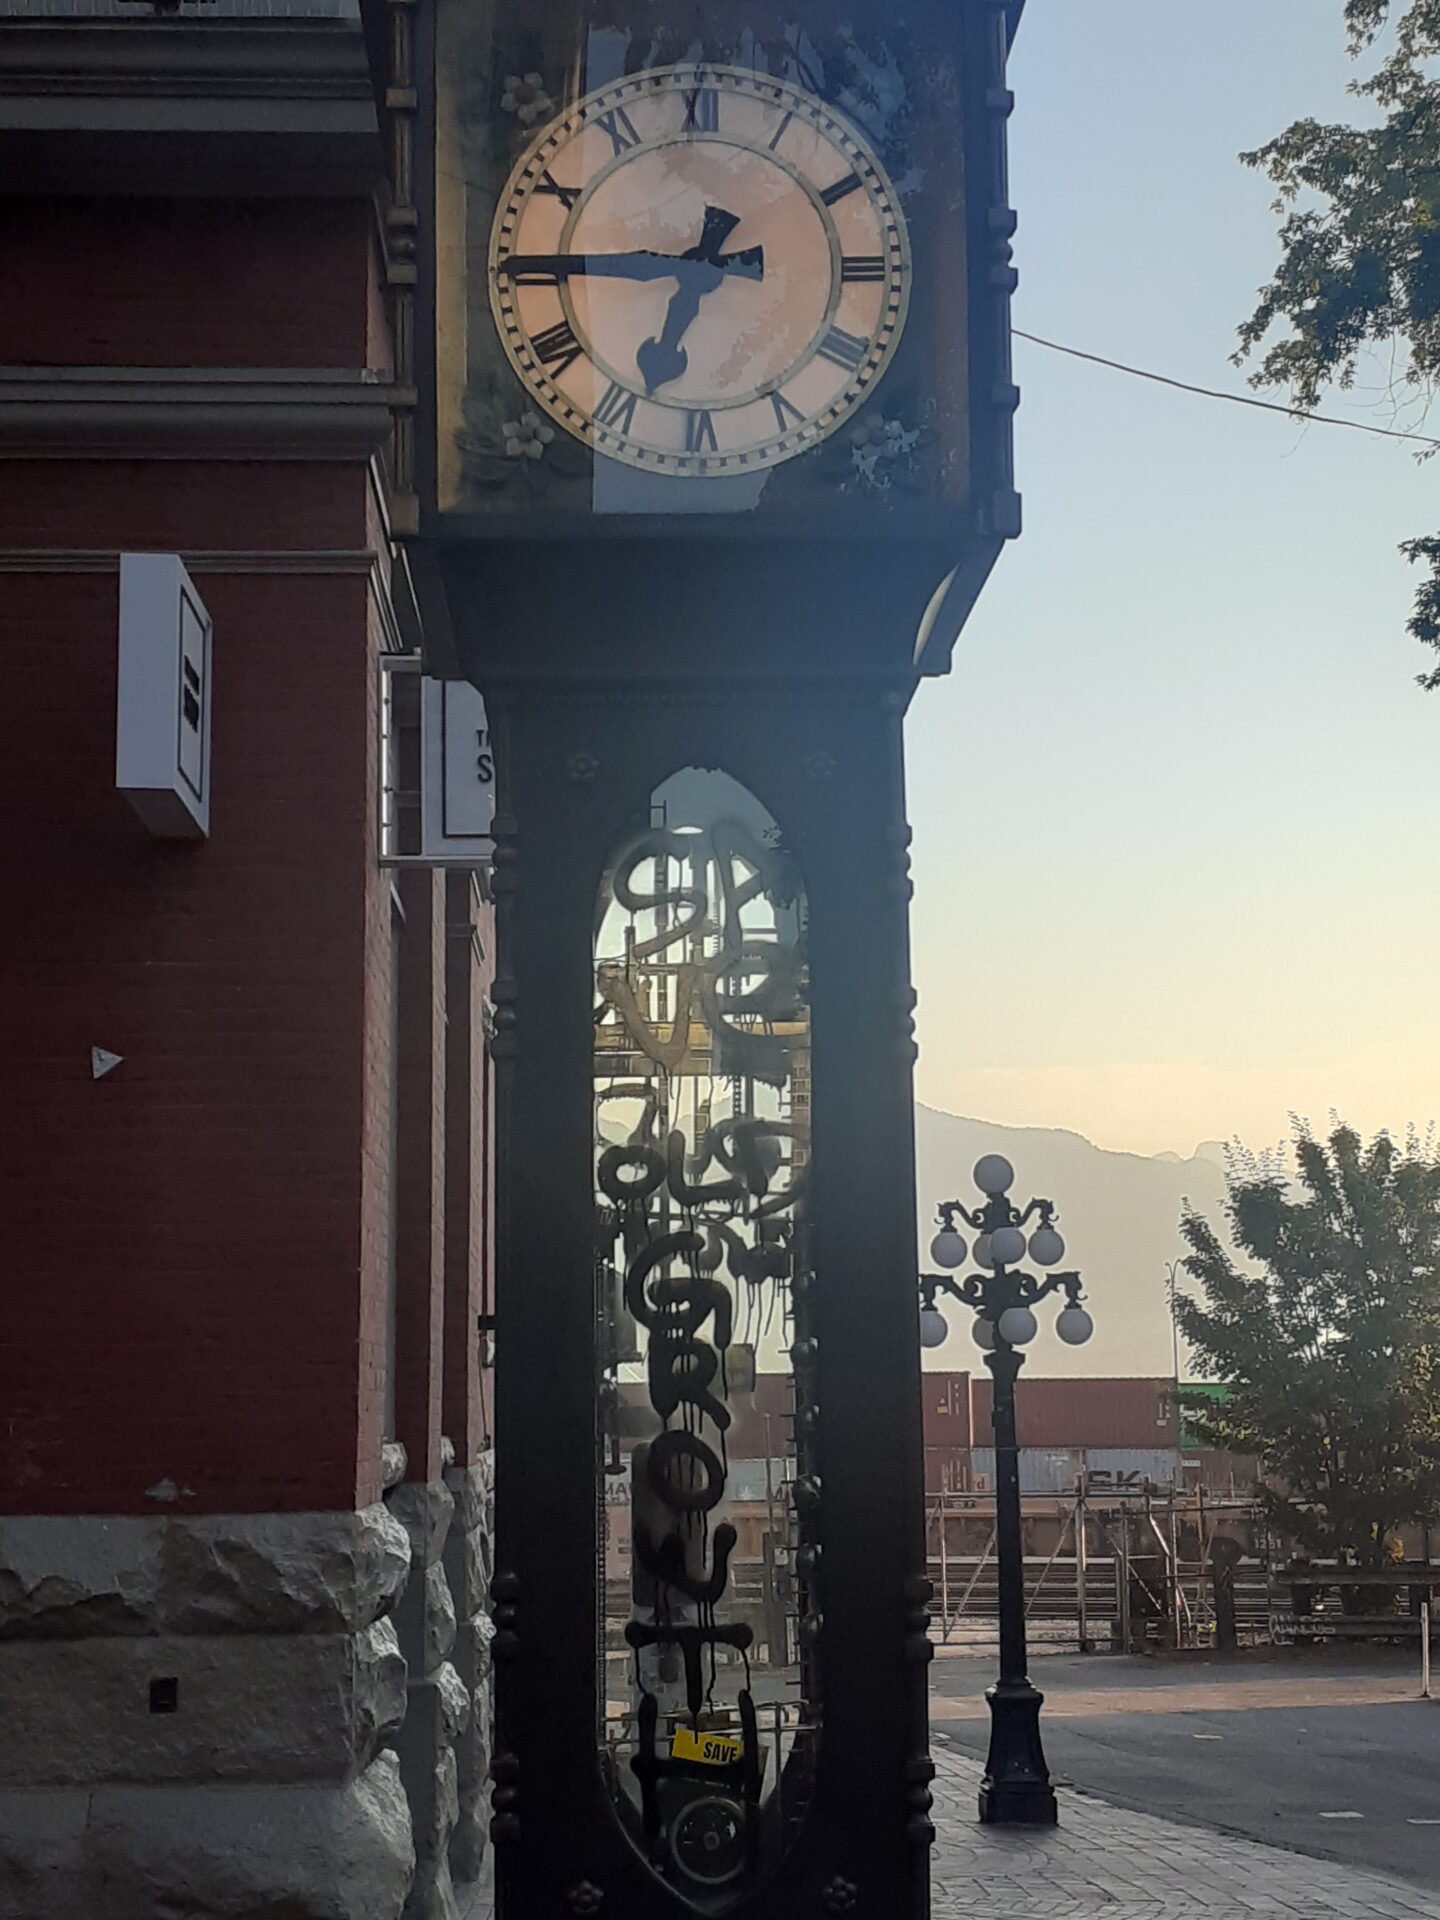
708	997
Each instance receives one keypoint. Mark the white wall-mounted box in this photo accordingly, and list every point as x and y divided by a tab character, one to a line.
162	723
458	806
437	770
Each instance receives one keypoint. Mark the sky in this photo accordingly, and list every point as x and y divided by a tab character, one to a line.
1177	806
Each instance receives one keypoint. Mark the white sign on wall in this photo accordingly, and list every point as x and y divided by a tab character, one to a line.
458	770
162	722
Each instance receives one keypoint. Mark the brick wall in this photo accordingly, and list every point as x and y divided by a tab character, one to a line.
469	1147
188	283
182	1248
420	1223
193	1247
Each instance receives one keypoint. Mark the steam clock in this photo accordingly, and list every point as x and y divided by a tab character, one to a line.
712	456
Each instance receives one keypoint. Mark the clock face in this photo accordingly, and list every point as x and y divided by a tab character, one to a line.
699	270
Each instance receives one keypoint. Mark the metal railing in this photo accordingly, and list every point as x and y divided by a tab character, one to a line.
1123	1572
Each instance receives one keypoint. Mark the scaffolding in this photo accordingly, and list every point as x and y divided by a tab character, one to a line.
1151	1567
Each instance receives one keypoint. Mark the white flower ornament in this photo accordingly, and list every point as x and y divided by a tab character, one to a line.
527	437
526	98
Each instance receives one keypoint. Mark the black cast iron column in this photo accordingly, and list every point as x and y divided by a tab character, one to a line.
1016	1788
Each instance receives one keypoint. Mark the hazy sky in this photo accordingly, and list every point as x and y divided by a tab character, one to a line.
1177	808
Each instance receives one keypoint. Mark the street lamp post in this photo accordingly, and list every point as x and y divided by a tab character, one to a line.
1016	1789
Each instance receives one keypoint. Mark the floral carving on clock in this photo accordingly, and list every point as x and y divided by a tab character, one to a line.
699	270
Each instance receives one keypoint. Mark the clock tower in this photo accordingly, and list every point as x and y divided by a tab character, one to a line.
710	344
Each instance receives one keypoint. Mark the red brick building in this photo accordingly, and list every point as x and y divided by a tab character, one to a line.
243	1183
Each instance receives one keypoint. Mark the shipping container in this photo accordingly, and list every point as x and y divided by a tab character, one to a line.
1060	1470
1137	1413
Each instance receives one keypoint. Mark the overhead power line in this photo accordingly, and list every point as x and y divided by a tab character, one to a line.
1235	399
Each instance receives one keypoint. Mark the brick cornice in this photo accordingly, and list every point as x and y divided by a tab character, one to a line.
399	622
183	106
157	413
290	560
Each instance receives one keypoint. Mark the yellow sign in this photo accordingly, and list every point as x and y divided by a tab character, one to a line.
707	1749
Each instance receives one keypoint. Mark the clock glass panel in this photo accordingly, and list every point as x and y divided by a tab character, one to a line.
697	259
699	270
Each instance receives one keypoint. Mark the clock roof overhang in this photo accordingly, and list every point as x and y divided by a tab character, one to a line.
656	602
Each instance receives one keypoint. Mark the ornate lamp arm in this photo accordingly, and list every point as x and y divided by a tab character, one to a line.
1045	1209
997	1211
946	1211
969	1292
1032	1289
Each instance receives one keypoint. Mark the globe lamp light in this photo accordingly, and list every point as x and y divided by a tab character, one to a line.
948	1248
1018	1326
994	1174
1007	1245
1047	1249
1074	1326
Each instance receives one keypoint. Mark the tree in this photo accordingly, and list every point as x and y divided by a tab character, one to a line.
1360	242
1327	1337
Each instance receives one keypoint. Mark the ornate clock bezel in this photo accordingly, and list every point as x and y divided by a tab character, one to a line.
787	443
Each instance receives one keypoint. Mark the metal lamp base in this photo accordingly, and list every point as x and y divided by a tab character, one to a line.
1016	1790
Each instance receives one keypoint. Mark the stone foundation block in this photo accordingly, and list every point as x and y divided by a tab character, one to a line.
254	1853
181	1708
432	1891
438	1713
45	1869
423	1508
75	1577
469	1566
425	1618
473	1491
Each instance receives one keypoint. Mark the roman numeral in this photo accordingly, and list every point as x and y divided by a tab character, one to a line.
780	131
557	347
845	349
617	124
617	408
702	111
700	432
567	196
863	266
787	415
840	189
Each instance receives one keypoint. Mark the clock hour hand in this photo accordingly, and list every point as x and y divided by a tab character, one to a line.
700	269
664	359
718	227
697	271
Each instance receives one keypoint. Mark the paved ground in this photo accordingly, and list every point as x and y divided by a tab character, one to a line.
1199	1794
1273	1749
1106	1863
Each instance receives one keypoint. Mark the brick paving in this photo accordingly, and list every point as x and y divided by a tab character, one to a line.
1105	1863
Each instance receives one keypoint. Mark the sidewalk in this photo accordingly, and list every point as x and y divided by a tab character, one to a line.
1103	1863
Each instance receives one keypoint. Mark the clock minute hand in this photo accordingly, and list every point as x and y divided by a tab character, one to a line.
540	268
534	269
